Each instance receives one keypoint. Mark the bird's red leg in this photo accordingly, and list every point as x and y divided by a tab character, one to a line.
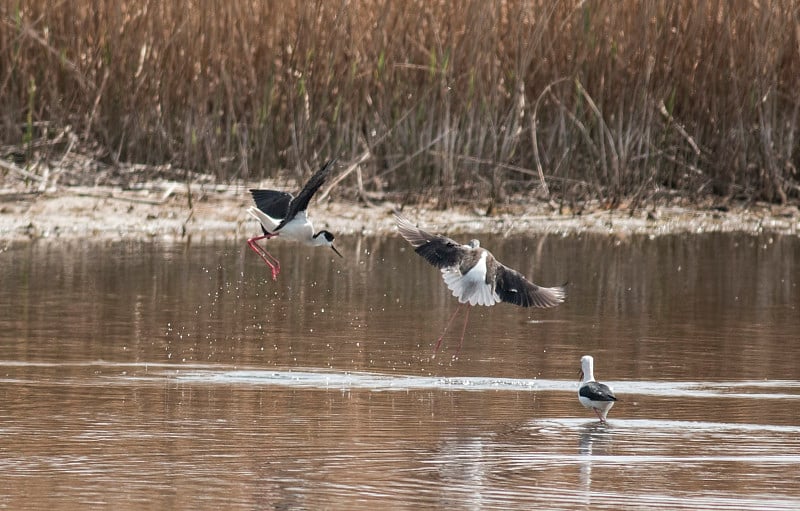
449	322
272	262
463	331
599	415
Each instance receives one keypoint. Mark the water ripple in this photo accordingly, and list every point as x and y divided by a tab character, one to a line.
307	378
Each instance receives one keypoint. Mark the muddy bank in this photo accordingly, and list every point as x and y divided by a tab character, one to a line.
169	210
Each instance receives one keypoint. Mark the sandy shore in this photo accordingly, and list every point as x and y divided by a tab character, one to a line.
160	210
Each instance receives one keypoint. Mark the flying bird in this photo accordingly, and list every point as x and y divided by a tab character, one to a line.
593	395
474	276
282	214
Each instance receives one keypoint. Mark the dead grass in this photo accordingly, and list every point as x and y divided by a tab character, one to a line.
456	100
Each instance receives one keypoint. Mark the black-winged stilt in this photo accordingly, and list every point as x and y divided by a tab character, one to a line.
474	275
281	213
593	395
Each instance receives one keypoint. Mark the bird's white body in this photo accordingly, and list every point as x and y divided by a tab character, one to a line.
471	286
297	229
593	395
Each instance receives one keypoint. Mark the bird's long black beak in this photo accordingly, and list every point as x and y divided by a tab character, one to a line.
337	252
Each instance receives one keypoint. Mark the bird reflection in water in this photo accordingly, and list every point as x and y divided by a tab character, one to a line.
595	440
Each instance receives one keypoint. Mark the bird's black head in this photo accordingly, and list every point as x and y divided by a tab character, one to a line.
329	237
326	238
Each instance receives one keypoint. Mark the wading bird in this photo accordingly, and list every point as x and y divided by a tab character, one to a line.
593	395
281	213
474	275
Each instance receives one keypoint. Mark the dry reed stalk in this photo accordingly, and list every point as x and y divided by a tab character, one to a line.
241	89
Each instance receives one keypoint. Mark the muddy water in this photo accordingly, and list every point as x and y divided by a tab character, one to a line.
148	376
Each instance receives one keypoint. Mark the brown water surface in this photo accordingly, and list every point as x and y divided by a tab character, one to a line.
179	376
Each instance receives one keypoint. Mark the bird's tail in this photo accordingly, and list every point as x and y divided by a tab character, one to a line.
267	222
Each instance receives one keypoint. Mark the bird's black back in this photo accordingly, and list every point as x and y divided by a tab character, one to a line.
597	392
300	203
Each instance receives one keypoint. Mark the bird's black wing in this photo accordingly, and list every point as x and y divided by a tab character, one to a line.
512	287
300	203
272	202
440	251
597	392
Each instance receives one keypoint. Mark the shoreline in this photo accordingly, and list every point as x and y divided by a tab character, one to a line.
160	211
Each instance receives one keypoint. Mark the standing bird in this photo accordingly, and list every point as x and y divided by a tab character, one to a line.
474	275
281	213
593	395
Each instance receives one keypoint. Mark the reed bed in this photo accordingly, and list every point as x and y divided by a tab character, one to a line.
470	100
